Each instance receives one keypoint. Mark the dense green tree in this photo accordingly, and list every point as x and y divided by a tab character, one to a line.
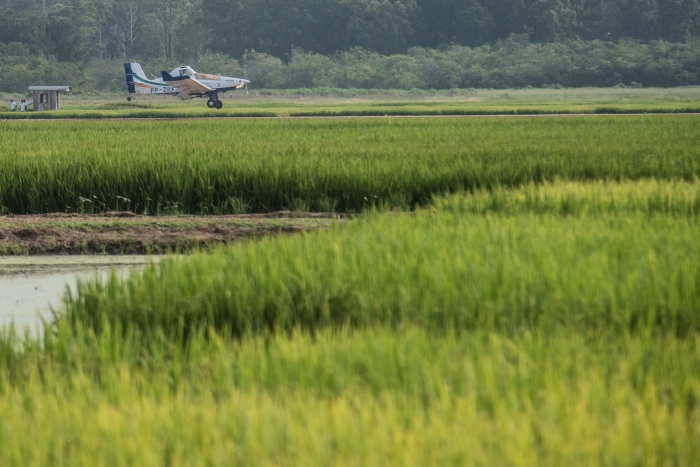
173	14
322	26
367	43
636	19
438	22
150	37
25	27
678	20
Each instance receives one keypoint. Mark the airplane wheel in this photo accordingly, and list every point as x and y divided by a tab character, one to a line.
218	104
210	104
128	99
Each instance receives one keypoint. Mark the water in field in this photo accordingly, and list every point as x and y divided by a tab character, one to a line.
31	285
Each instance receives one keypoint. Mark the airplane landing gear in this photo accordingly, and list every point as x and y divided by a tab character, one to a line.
215	103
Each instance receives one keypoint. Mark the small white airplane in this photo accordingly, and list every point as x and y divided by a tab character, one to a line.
183	82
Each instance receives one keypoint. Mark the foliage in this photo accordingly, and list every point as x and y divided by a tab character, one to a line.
546	325
512	63
515	323
612	272
199	166
404	44
18	67
375	397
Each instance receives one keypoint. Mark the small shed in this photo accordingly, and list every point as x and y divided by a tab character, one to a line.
46	97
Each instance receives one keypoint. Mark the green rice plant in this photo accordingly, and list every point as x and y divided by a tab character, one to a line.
554	324
237	206
616	272
196	167
649	197
325	204
298	205
375	397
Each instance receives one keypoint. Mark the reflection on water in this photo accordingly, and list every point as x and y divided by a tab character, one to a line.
31	285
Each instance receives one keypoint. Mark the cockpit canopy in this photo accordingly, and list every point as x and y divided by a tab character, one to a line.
188	71
183	71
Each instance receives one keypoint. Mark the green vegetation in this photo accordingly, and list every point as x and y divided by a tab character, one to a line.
375	397
624	270
516	292
176	110
78	30
386	44
302	97
551	324
357	102
510	64
344	165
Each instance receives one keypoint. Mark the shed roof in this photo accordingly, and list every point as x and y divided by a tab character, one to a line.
49	88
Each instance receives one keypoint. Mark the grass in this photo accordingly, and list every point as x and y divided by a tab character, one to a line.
629	268
376	397
285	109
343	102
220	167
647	197
551	324
546	312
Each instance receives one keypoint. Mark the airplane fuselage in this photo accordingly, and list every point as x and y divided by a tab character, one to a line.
216	82
183	82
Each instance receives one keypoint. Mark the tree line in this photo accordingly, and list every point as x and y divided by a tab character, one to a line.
365	43
78	30
511	63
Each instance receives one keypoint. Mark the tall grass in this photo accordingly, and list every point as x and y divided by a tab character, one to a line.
212	167
647	197
617	272
551	325
376	397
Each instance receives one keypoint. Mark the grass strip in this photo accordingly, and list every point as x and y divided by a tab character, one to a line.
143	113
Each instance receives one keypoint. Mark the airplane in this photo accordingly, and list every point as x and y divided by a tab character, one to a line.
183	82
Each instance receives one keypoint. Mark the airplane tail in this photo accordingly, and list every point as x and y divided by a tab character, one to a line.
133	69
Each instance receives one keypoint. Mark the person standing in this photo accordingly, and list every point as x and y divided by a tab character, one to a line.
23	106
13	105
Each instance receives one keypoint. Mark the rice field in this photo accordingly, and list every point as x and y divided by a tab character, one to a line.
379	396
628	269
534	300
230	167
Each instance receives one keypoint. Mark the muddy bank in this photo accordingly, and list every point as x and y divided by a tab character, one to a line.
125	233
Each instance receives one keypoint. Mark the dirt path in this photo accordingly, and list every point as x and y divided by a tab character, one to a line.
119	233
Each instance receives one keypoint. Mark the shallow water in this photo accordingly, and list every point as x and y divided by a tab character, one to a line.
31	285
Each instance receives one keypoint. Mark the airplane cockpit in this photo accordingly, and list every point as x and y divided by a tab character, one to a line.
183	71
188	71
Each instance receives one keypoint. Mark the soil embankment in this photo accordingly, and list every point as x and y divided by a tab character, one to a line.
122	233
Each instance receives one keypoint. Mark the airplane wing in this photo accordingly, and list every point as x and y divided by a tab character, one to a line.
186	85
